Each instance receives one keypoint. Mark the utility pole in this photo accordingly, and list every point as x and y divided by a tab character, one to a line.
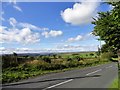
100	47
99	52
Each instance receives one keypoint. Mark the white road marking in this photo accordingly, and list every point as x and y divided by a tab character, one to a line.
94	72
109	66
59	84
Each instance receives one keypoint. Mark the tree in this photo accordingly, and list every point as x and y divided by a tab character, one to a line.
107	27
54	56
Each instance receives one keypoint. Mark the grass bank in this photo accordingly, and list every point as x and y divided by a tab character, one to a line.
114	84
39	65
14	74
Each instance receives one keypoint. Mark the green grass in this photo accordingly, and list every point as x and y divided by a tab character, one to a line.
11	75
114	84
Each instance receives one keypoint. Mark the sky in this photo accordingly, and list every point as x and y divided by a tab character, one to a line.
49	26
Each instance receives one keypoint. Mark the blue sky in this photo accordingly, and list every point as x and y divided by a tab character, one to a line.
49	26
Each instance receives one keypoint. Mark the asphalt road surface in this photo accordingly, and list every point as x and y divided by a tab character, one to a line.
99	76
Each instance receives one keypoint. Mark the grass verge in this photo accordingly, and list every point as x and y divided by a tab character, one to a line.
114	84
14	76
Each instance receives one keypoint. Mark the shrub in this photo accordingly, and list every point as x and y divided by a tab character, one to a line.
106	56
37	65
68	58
81	62
76	58
91	54
59	56
46	59
72	63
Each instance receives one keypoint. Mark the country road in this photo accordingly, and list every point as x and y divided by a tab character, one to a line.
99	76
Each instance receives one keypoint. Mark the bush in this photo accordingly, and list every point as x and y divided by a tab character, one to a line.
37	65
68	59
106	56
76	58
46	59
72	63
81	62
91	54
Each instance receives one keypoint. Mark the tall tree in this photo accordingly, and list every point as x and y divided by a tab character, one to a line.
107	27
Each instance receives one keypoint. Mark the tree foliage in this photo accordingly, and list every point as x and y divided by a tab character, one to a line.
107	27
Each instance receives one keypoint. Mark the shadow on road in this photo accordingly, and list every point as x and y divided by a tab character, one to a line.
51	80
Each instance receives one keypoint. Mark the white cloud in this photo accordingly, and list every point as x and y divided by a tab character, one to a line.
15	5
2	28
23	49
1	16
13	21
33	27
64	48
81	37
59	48
77	38
2	48
81	13
27	25
52	33
17	8
24	35
77	47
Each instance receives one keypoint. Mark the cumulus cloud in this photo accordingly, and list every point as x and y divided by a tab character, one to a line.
24	35
77	38
81	13
81	37
52	33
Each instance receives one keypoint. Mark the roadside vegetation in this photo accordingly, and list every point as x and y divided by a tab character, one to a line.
114	84
15	68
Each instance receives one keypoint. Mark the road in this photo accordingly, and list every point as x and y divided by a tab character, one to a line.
91	77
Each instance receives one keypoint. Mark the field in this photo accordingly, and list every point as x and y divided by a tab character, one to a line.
15	67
